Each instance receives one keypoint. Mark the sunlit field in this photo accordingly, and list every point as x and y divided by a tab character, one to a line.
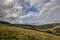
10	32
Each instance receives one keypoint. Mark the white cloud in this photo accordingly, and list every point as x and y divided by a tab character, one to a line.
12	10
48	13
8	1
20	22
29	15
50	10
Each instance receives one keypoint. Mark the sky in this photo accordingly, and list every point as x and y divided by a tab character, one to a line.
30	11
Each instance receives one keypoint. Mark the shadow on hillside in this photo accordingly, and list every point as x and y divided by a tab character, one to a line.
31	27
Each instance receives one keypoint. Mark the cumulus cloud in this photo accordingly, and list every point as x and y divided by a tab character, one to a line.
49	10
10	10
17	11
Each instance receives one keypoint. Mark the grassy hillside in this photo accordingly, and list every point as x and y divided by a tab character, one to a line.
55	30
9	32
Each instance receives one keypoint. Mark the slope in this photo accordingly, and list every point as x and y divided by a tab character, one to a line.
8	32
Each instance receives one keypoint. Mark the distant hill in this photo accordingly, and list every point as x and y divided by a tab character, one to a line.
3	22
43	26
